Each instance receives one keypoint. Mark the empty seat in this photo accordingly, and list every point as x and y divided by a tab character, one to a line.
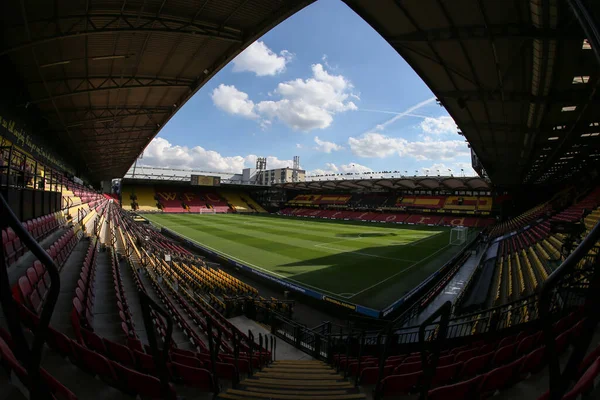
195	377
408	368
462	390
119	353
499	378
395	385
444	375
145	386
475	365
533	362
503	355
95	363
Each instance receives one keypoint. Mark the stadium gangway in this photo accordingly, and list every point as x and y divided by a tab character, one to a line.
564	282
29	356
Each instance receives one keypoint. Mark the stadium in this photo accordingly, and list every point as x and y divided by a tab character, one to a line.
259	280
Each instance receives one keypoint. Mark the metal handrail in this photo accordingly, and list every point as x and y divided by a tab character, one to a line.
160	360
430	363
559	381
31	356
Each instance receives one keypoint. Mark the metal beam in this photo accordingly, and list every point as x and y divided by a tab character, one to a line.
80	116
481	32
140	78
111	84
73	26
496	95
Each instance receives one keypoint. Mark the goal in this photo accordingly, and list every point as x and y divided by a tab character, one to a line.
458	235
207	211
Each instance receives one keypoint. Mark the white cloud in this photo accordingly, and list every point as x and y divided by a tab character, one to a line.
310	104
232	101
261	60
161	153
326	147
298	146
331	168
444	125
303	105
376	145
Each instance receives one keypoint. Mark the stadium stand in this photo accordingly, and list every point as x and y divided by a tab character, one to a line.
139	198
239	203
420	219
97	305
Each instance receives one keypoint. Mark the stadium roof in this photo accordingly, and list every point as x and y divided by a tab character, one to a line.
403	183
516	75
109	74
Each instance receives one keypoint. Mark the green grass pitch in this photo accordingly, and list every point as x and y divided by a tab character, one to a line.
371	264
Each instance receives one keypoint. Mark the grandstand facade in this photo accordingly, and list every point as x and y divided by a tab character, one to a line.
99	302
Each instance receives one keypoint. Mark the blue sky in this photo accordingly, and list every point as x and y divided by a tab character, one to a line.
322	85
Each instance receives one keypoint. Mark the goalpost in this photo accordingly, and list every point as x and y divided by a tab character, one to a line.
207	211
458	235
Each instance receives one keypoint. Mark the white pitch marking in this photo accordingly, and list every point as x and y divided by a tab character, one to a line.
400	272
349	252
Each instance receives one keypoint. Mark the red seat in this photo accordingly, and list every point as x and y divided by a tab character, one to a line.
9	253
185	360
226	371
526	344
120	353
41	271
463	390
59	390
589	360
475	365
146	386
408	368
503	355
194	377
60	342
467	354
395	385
95	363
444	375
585	384
533	362
446	360
499	378
93	341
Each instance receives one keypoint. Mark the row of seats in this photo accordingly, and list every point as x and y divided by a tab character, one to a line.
217	319
404	218
476	370
39	228
461	203
576	211
31	289
520	220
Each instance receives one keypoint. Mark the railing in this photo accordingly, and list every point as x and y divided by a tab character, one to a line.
160	357
31	357
576	280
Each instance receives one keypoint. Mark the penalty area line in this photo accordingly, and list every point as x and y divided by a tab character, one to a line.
400	272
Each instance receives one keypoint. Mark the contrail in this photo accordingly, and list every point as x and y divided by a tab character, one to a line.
394	113
402	114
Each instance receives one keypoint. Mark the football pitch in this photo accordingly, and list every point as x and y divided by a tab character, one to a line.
371	264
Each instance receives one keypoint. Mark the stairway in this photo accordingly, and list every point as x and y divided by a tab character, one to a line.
295	380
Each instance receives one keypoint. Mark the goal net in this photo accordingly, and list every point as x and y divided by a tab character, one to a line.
207	211
458	235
